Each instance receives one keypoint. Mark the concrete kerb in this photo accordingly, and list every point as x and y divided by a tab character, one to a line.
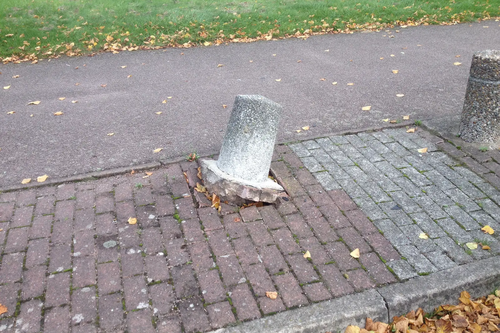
479	278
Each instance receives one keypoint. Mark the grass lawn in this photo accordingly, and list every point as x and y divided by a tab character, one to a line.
32	29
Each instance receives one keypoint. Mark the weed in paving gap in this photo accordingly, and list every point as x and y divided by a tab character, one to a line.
482	241
418	122
483	149
139	186
66	27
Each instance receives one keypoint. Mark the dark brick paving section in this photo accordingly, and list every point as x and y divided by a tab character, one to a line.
71	262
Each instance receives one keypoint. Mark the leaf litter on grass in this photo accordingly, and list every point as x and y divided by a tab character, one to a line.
469	316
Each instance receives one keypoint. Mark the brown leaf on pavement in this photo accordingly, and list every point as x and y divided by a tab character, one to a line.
3	309
272	294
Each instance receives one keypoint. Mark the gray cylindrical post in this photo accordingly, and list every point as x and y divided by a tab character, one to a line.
248	145
480	120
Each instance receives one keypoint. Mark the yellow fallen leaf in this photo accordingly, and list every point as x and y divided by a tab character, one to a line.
278	80
58	113
298	131
395	71
471	245
3	309
307	255
322	79
457	56
34	103
272	294
386	120
110	134
129	76
422	150
352	329
6	87
392	55
423	235
393	121
74	102
132	220
410	130
366	108
305	128
216	202
147	174
15	77
250	61
157	150
334	83
62	98
457	63
32	115
124	66
327	50
486	247
488	230
164	101
159	112
400	95
41	179
26	181
169	97
219	65
350	84
200	188
381	58
406	117
224	106
11	112
355	253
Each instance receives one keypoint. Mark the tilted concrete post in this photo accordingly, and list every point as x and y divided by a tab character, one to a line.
481	113
241	172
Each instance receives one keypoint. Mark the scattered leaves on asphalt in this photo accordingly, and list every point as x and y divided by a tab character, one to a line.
488	230
26	181
366	108
355	253
132	220
157	150
41	179
34	103
272	294
307	254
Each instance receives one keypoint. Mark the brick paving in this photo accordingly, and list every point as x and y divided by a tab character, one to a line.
71	262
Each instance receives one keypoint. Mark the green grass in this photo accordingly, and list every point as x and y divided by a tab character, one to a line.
31	29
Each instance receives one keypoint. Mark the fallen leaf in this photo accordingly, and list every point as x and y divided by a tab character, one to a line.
224	106
471	245
457	56
366	108
352	329
41	179
298	131
129	76
15	77
272	294
124	66
159	112
132	220
486	247
278	80
411	130
200	188
457	63
406	117
6	87
488	230
381	58
307	255
26	181
392	55
157	150
306	128
219	65
350	84
169	97
422	150
250	61
334	83
274	55
11	112
74	102
192	157
32	115
3	309
62	98
77	84
299	61
400	95
423	235
237	219
58	113
199	173
103	85
443	326
110	134
355	253
386	120
132	172
395	71
34	103
322	79
327	50
147	174
216	202
164	101
393	121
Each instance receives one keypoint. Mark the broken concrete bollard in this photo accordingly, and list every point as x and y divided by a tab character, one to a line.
241	172
480	120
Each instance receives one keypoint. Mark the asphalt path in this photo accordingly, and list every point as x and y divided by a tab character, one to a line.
102	96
